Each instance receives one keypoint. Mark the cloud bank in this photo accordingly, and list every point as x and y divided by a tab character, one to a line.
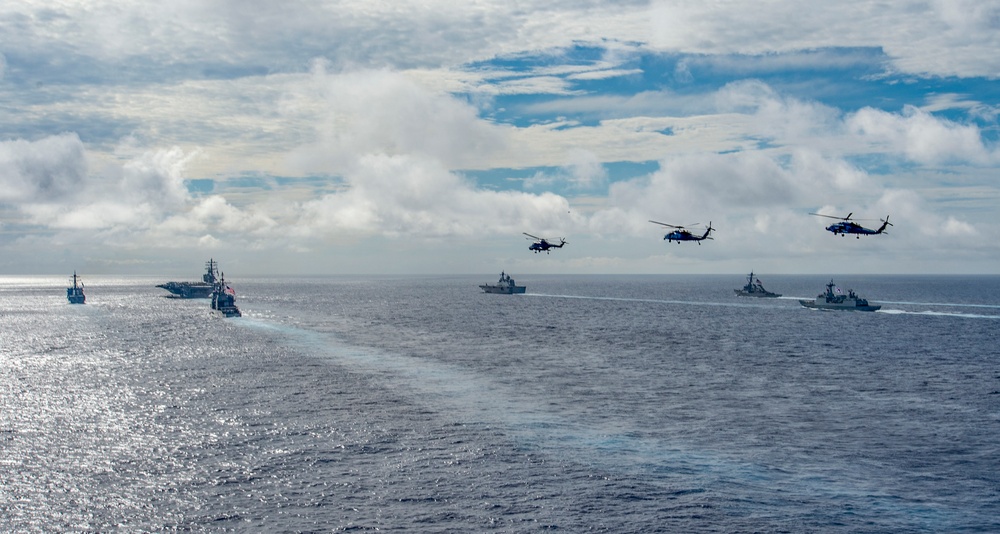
314	126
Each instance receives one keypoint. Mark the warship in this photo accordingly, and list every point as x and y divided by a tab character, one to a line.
755	289
224	299
196	290
837	300
75	293
505	286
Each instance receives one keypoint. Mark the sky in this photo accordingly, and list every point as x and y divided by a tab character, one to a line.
311	137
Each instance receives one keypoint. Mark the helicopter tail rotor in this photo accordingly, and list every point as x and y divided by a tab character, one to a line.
885	222
708	231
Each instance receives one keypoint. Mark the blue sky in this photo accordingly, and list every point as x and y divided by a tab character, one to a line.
359	137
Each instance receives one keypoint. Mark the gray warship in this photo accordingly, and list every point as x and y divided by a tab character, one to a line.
831	300
505	286
755	289
75	292
224	299
196	290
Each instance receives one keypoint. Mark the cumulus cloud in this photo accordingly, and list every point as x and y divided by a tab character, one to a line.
582	171
50	182
385	112
394	143
782	118
50	169
214	214
953	227
921	136
157	176
696	186
412	195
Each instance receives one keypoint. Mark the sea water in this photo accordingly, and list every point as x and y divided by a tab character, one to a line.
421	404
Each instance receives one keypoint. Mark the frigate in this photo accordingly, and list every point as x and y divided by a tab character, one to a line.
835	299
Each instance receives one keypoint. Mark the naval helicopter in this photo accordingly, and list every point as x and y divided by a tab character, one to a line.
848	226
679	234
543	245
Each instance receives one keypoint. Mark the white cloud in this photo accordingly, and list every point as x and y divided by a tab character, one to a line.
50	182
50	169
411	195
384	112
348	32
583	170
921	136
157	176
943	38
954	227
604	74
214	215
690	188
787	120
742	114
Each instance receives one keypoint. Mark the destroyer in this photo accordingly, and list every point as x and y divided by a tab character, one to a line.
505	286
224	299
75	292
754	289
837	300
196	290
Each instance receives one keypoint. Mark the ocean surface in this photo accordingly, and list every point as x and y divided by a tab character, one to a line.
421	404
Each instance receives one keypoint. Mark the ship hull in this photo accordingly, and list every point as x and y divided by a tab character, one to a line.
844	307
758	294
229	311
188	290
503	290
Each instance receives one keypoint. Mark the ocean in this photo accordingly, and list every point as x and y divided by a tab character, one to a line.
421	404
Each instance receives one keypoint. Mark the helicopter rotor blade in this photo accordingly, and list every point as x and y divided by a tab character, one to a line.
665	224
531	236
833	216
